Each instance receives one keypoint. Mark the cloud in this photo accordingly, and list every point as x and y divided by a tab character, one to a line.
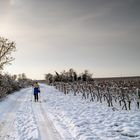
96	34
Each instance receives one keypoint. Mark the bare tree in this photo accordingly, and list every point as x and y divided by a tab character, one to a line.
6	48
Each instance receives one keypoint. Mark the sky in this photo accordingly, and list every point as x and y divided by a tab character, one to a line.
102	36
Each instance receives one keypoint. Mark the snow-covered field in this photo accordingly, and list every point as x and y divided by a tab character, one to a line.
64	117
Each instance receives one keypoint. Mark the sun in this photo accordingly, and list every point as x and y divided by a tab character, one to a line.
15	2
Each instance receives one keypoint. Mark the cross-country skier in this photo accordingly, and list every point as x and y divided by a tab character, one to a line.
36	91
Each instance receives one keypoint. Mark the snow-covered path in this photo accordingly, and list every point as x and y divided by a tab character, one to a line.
23	119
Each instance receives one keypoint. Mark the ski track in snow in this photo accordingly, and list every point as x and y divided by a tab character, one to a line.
23	119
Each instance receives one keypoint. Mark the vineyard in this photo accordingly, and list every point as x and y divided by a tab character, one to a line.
116	94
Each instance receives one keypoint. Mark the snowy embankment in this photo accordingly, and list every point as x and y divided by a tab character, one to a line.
64	117
77	119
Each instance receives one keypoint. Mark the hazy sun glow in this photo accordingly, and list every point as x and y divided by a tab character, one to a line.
102	36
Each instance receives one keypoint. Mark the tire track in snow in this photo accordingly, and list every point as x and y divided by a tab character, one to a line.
46	128
18	121
26	122
50	125
24	119
8	119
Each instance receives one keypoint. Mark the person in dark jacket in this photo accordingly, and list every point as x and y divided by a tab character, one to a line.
36	91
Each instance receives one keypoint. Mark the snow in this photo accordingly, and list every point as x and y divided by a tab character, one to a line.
23	119
85	120
64	117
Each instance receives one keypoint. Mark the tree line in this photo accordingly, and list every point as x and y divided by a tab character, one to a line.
68	76
9	83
